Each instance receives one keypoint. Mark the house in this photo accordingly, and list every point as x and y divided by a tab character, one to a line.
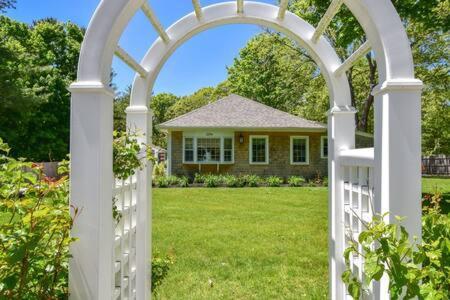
236	135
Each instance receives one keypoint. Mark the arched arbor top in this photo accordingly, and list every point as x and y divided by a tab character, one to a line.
393	166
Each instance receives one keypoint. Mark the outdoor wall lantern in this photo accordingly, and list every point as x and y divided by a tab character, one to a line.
241	138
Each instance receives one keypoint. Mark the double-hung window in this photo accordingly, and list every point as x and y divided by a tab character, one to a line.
205	150
323	147
259	149
299	150
188	149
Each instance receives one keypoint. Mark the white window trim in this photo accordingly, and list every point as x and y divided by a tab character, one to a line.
291	150
250	152
194	141
194	144
322	138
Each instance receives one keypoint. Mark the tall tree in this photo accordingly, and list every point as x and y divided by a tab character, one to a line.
37	64
264	70
160	105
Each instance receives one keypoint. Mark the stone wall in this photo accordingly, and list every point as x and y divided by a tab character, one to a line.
279	157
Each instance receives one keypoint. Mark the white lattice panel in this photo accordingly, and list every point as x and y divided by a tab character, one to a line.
358	209
125	194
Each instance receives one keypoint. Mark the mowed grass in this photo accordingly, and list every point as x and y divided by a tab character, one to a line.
249	243
436	184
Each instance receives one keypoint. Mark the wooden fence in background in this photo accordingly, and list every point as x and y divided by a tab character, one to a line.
436	165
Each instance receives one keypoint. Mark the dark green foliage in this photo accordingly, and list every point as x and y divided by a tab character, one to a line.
37	64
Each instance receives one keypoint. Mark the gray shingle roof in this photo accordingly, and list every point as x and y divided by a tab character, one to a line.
235	111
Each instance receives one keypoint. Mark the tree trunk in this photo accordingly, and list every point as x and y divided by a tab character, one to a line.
363	123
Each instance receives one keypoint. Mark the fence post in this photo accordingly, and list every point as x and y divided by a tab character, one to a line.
341	136
139	119
397	172
91	181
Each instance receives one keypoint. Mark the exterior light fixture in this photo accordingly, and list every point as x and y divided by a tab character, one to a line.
241	138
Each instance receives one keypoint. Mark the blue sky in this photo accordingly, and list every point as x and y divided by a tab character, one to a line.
198	63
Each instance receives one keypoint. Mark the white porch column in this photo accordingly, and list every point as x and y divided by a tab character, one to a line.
139	120
341	136
397	181
91	181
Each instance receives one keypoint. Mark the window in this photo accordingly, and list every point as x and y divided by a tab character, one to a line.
259	149
189	149
323	147
208	149
299	150
227	149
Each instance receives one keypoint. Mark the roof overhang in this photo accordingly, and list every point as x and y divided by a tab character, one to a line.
245	129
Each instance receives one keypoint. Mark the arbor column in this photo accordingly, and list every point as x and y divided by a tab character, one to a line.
341	136
139	121
91	181
397	181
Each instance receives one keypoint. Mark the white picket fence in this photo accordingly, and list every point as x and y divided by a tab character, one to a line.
125	197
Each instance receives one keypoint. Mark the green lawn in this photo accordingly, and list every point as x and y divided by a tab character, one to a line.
251	243
433	184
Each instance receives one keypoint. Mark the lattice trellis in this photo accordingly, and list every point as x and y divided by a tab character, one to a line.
125	195
358	209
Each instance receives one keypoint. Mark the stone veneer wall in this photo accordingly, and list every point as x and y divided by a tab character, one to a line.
279	157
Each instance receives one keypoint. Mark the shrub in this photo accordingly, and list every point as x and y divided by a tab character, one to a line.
233	181
35	229
252	180
325	181
160	269
172	180
199	178
212	180
183	181
274	181
414	271
162	182
296	181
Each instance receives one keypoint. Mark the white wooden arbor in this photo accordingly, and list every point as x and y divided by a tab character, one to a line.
114	262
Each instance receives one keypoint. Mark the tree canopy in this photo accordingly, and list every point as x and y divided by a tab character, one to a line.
37	64
39	61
